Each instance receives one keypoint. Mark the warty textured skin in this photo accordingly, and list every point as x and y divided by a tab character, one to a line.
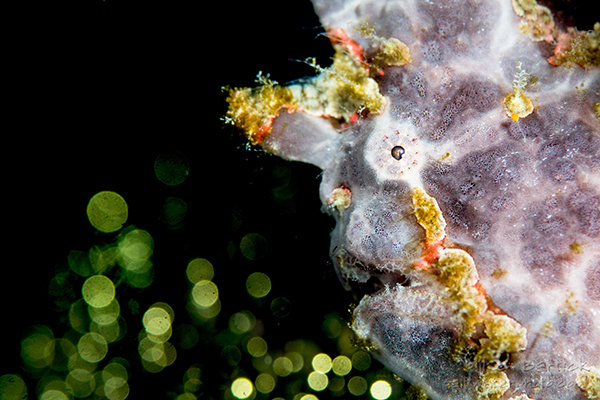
522	197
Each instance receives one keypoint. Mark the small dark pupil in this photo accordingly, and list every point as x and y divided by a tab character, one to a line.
397	152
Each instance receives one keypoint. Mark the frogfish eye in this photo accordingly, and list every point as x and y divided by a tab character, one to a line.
397	152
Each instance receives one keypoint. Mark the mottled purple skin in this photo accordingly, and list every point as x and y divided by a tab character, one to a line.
522	198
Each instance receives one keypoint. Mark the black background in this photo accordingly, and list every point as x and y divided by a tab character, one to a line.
97	90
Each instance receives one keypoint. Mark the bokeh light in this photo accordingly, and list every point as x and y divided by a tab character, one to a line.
361	360
322	363
79	317
296	359
171	168
116	389
115	376
186	336
92	347
283	366
257	346
81	381
173	212
186	396
98	291
381	390
205	293
53	388
332	327
112	332
136	247
231	354
317	381
199	269
12	387
242	322
65	353
201	314
235	328
258	284
253	246
357	385
192	383
341	365
106	315
337	384
155	356
242	388
92	262
37	348
107	211
281	307
265	383
157	321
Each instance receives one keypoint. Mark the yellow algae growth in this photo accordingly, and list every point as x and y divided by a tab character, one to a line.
537	21
390	52
455	269
253	109
581	48
339	91
588	380
340	199
493	385
504	335
516	103
429	215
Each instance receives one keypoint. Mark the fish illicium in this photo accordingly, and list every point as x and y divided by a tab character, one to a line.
460	148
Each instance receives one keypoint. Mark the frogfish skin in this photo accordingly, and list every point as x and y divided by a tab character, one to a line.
460	147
